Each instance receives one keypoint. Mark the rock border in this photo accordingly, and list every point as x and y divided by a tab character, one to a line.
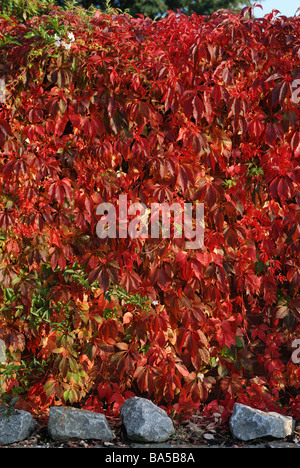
95	430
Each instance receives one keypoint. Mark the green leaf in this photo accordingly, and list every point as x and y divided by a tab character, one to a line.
30	34
222	371
239	343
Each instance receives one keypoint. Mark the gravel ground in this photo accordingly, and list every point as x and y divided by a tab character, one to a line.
192	434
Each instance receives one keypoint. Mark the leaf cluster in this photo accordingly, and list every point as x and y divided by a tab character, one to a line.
183	109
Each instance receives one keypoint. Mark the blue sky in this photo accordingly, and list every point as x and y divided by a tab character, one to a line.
286	7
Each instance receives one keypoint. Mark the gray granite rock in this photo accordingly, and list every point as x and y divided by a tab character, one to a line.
15	425
248	423
72	423
145	422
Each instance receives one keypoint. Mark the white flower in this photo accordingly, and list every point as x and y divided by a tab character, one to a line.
59	42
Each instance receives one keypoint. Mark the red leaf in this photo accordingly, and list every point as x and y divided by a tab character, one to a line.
131	281
5	128
197	108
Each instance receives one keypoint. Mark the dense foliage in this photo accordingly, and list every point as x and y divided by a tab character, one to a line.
182	109
154	8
